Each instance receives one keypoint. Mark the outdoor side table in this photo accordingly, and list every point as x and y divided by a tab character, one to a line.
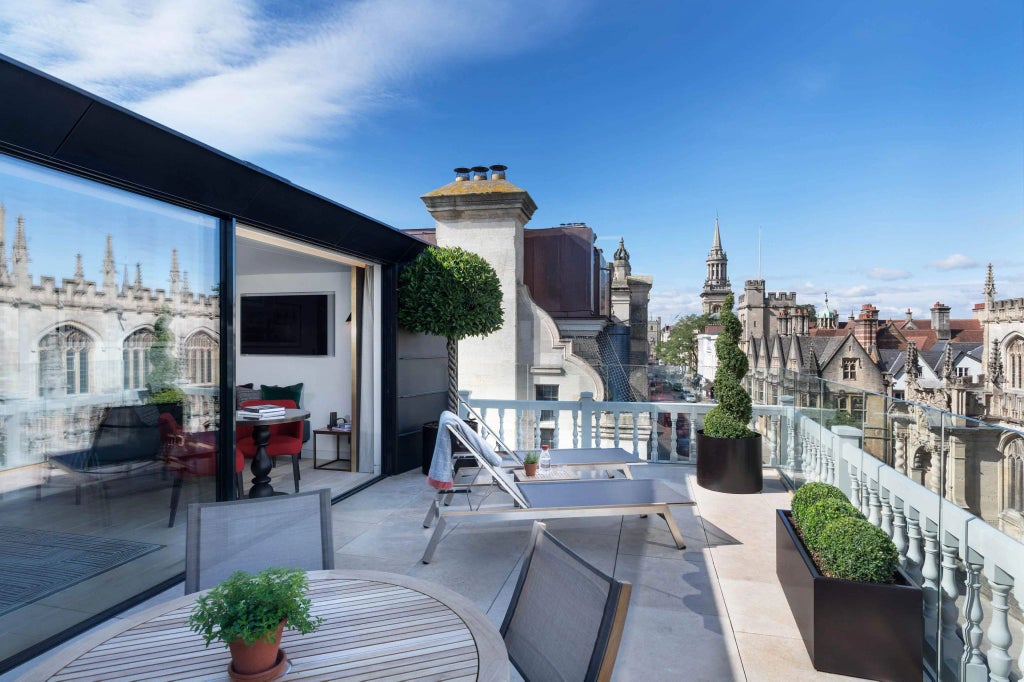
333	463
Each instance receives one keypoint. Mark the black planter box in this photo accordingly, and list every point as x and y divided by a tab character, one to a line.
868	630
729	465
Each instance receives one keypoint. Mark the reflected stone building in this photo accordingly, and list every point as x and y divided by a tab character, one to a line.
77	346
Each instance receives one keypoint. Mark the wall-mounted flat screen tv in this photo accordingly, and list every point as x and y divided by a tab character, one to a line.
285	324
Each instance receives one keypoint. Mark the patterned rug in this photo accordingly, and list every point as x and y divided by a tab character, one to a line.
37	563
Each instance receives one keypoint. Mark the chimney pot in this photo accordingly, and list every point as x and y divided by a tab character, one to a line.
479	172
498	171
461	174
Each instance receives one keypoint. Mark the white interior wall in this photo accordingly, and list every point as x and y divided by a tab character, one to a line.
327	380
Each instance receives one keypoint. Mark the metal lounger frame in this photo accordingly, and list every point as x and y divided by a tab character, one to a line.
524	511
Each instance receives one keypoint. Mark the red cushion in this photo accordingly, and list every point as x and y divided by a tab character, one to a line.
290	430
278	446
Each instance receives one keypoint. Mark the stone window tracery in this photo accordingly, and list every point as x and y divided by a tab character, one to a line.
136	358
201	358
64	362
850	369
1015	362
1013	464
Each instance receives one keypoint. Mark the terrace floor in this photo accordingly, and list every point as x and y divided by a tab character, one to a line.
714	611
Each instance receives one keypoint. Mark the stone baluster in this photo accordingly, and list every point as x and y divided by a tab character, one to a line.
899	529
952	647
812	460
972	663
575	428
865	494
886	523
830	474
854	485
915	554
901	453
819	461
930	582
791	444
616	416
999	637
934	475
773	443
673	425
558	415
874	505
636	433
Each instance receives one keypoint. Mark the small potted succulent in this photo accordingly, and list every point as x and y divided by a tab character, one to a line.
530	461
248	612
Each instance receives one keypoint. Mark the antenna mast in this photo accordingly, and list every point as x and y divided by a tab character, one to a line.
759	252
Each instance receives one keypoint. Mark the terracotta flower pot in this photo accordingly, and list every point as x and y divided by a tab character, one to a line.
530	469
249	659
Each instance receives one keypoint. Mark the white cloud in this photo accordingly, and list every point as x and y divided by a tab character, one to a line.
672	303
887	274
957	261
227	73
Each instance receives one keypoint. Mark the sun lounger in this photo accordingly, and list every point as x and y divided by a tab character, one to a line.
575	499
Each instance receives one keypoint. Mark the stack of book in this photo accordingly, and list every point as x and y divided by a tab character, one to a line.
260	412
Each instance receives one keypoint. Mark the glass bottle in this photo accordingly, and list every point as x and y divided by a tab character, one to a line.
545	458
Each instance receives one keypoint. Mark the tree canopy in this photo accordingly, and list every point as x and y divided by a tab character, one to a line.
450	292
681	346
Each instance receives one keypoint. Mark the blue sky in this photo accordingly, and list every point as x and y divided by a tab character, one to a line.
879	146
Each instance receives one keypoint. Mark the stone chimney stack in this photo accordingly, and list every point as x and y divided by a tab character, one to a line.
784	322
940	321
866	326
486	216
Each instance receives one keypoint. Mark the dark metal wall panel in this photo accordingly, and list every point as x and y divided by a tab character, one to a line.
37	113
422	391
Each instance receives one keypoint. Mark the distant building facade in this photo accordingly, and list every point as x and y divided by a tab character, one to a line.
573	322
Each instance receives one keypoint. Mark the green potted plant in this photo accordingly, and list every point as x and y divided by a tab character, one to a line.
161	381
530	462
858	612
453	293
728	452
248	612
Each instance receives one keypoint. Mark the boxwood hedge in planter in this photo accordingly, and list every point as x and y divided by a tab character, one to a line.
859	614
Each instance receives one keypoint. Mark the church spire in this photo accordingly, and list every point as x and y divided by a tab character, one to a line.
109	269
79	270
124	281
716	284
138	277
19	255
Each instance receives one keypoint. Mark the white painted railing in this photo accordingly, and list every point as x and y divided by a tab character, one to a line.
585	423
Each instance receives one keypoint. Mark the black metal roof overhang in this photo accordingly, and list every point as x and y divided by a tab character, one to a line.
55	123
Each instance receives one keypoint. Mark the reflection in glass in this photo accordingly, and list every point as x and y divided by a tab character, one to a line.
108	402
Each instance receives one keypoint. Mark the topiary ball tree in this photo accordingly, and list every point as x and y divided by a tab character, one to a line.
730	417
454	293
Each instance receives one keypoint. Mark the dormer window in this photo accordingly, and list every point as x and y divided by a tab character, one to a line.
849	369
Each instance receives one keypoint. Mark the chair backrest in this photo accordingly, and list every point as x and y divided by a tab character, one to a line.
502	478
566	617
293	531
291	429
127	434
491	432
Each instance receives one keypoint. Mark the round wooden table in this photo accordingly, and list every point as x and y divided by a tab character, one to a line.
376	625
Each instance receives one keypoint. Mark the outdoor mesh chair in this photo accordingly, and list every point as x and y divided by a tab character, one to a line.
293	531
553	500
566	617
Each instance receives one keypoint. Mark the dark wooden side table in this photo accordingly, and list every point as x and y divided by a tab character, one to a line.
261	464
333	463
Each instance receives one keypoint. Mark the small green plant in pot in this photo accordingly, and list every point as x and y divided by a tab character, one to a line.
248	612
729	453
530	461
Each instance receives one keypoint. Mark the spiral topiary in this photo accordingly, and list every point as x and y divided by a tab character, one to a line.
729	418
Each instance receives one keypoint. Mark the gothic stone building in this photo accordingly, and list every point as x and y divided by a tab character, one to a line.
74	338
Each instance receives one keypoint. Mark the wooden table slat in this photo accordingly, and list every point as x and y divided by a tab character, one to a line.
377	626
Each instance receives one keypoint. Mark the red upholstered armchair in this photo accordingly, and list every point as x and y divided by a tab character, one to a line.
285	439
